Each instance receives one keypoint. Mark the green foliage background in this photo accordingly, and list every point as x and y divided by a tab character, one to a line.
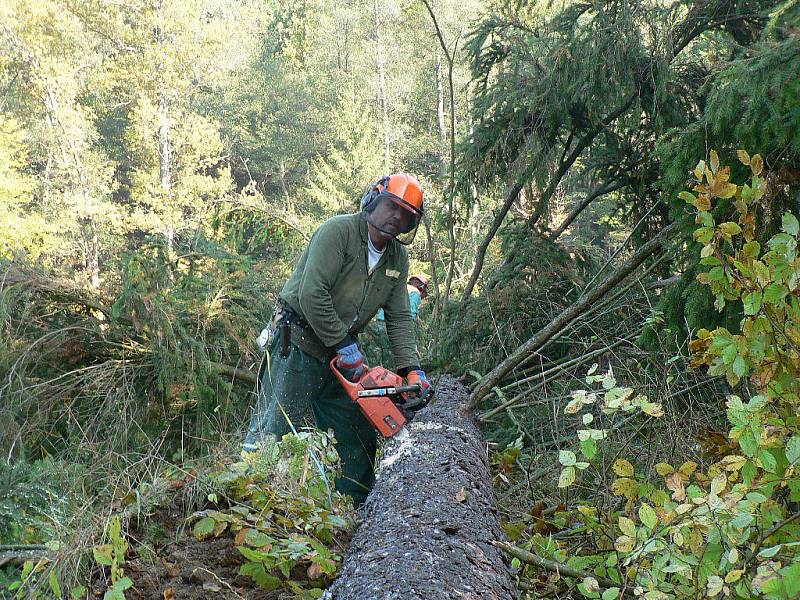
163	163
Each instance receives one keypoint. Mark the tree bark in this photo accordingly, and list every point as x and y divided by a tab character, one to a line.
430	524
568	315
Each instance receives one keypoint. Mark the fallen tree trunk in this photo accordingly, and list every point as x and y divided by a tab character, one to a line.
430	524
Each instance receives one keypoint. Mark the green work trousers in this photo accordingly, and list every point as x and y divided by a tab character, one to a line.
301	384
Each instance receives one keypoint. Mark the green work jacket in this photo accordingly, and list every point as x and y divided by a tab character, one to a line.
332	290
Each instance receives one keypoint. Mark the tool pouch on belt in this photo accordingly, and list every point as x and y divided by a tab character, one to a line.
286	337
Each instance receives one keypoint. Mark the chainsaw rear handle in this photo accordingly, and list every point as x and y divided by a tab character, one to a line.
350	386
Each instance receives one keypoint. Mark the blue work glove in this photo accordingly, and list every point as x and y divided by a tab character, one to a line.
351	362
418	377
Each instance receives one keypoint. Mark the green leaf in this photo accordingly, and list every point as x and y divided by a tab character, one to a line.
793	449
567	458
257	538
589	448
611	593
748	443
78	592
103	554
790	224
258	573
752	303
729	229
688	197
204	528
775	293
729	354
55	586
648	515
740	366
751	249
770	552
791	579
768	461
703	235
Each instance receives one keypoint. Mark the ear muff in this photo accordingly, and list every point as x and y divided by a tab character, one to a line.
372	193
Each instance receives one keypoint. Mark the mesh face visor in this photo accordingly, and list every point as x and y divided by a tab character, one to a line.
394	216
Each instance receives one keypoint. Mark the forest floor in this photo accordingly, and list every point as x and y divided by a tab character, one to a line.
168	562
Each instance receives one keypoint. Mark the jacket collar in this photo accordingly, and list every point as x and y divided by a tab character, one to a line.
362	228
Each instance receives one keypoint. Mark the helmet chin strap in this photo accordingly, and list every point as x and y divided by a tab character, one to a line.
385	237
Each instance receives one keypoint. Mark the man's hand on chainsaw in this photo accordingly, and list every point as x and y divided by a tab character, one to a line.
350	362
417	377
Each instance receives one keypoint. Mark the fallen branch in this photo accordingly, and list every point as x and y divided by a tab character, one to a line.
532	559
234	372
567	316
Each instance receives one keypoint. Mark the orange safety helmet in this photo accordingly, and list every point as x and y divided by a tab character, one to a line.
393	204
423	283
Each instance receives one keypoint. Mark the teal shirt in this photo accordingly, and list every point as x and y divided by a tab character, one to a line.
414	300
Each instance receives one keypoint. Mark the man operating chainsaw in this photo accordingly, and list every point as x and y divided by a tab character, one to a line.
354	265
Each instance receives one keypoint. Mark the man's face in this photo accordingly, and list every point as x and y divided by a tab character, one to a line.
391	217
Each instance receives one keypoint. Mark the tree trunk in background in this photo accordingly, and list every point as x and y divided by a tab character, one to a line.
473	189
431	520
382	87
165	168
511	196
440	118
285	186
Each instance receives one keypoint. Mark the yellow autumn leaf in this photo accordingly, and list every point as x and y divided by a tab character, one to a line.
688	467
703	203
743	157
728	190
733	462
700	169
756	164
654	409
718	484
664	469
567	477
623	468
627	526
734	576
623	544
713	161
665	515
625	487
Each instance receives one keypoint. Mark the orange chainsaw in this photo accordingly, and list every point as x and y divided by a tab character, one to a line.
380	394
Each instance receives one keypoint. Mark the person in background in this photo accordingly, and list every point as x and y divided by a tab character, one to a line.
417	289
